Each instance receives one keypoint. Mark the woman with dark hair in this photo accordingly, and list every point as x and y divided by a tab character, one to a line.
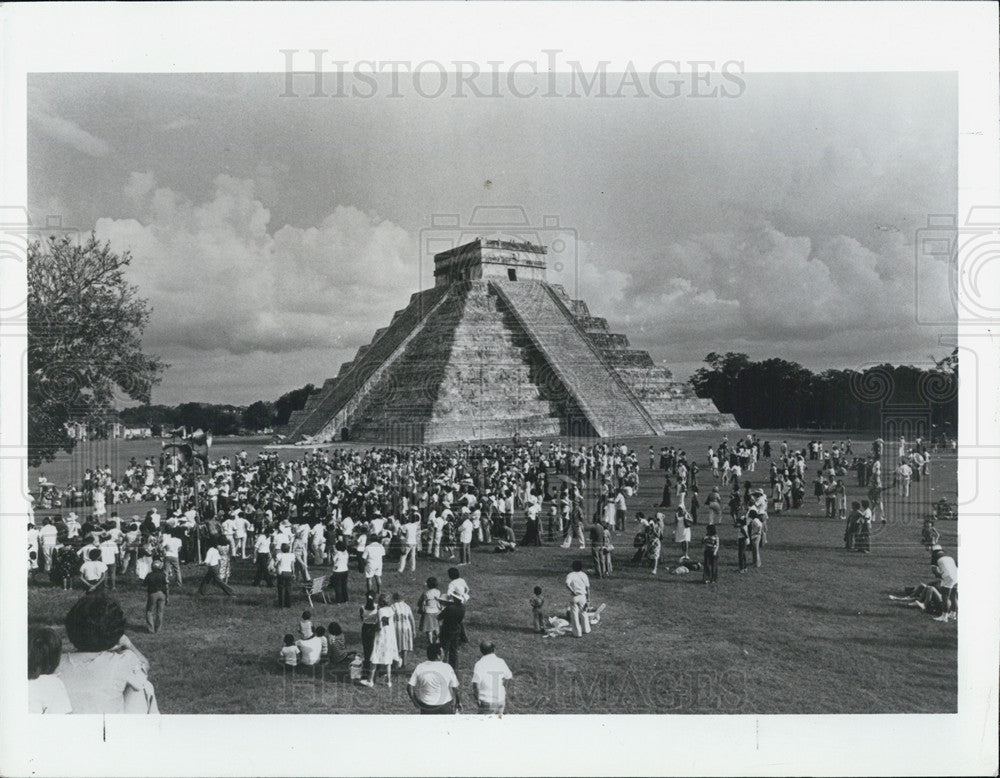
339	657
384	651
341	565
369	628
46	692
106	673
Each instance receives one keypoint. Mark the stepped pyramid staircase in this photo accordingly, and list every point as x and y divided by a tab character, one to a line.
483	355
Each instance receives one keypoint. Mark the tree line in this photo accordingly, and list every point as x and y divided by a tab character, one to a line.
220	419
85	358
777	394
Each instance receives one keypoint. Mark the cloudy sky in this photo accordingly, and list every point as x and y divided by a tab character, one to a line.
272	235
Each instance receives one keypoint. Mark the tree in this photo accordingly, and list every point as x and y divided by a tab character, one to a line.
291	401
85	325
258	416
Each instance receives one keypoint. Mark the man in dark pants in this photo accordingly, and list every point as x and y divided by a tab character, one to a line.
451	631
212	561
596	539
262	559
157	596
742	542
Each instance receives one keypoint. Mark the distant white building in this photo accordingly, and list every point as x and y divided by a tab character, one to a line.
76	430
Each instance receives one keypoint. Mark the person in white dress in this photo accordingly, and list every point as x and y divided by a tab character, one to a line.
385	650
682	529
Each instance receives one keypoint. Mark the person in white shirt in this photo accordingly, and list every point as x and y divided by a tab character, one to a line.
465	530
284	563
172	556
433	686
411	538
72	527
437	530
229	532
372	556
458	589
310	650
47	536
579	588
242	527
262	560
46	692
488	677
93	572
905	472
32	546
947	570
212	575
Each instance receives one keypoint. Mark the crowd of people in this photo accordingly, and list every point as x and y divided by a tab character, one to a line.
329	512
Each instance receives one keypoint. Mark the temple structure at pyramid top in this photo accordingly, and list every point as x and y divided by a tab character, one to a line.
487	258
492	350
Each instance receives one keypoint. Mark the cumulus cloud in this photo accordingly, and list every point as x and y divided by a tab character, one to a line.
220	276
756	288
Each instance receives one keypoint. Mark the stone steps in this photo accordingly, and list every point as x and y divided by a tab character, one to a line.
467	375
324	406
575	362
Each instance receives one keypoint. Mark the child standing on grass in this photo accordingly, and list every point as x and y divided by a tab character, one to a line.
288	657
537	605
429	608
851	530
306	626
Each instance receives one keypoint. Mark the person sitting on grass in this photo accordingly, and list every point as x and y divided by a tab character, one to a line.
106	673
46	692
929	536
939	596
506	540
310	649
324	648
306	626
338	657
288	657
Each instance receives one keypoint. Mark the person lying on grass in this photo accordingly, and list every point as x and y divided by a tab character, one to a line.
939	596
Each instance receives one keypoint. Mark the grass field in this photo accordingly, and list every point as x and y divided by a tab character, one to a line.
812	631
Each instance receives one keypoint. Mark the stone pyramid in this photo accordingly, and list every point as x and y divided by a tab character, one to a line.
495	350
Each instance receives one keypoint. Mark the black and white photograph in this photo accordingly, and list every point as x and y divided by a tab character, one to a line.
605	403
